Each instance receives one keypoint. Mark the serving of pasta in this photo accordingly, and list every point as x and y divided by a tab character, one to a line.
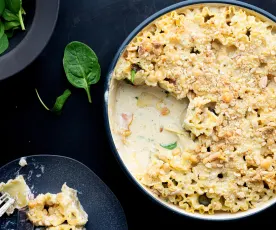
219	64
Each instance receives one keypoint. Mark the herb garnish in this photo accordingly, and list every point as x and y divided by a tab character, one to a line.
134	69
81	66
133	72
169	146
60	101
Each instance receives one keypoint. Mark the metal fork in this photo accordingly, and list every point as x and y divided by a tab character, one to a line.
5	202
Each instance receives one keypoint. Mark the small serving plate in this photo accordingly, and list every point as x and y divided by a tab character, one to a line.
47	173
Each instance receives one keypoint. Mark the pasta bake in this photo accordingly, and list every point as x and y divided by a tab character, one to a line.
61	211
206	77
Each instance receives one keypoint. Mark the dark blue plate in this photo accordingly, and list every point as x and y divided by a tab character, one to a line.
47	173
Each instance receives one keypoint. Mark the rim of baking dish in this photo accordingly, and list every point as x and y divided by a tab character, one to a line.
145	191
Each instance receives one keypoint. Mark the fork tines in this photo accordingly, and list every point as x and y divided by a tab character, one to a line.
5	202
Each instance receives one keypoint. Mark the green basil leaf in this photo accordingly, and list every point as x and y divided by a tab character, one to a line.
11	25
13	5
4	43
2	29
81	66
169	146
2	6
61	101
9	16
133	72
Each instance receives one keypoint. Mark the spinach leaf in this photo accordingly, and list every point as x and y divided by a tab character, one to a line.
4	43
9	33
11	25
60	101
13	5
169	146
21	11
81	66
133	72
2	6
39	98
9	16
2	29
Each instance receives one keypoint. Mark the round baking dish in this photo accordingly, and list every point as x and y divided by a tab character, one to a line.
26	46
107	107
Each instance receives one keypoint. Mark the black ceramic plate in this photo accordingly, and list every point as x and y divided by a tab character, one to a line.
47	173
25	46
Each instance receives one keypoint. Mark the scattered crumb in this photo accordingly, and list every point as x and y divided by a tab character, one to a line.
23	162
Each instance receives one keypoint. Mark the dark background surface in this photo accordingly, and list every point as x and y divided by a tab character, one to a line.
26	128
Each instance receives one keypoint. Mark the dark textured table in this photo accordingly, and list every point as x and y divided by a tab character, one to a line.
27	128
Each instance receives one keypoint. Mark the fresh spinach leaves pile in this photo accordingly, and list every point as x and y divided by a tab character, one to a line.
11	19
82	70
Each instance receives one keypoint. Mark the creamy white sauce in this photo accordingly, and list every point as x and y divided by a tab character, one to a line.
149	126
